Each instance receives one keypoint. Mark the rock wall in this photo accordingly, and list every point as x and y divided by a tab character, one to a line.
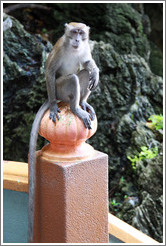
130	90
24	86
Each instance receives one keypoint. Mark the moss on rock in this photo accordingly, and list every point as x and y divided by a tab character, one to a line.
24	86
128	93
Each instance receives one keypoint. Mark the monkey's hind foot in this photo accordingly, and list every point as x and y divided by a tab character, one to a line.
54	110
83	115
86	107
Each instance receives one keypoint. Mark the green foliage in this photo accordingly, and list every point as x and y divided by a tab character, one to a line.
114	203
157	121
44	30
144	154
122	179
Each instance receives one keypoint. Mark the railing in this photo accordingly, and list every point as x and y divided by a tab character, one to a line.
15	177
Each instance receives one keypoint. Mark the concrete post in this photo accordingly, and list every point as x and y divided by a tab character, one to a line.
71	204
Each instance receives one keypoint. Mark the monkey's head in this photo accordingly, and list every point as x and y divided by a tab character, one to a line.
77	35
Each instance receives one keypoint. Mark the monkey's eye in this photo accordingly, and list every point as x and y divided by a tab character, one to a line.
81	32
74	31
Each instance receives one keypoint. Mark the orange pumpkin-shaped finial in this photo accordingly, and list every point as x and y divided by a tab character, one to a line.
67	136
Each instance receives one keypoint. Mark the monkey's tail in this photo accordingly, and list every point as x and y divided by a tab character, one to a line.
32	169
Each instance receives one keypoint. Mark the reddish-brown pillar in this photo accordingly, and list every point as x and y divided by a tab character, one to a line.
72	201
71	204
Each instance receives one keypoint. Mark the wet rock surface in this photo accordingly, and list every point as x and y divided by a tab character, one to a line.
148	178
24	86
130	90
129	93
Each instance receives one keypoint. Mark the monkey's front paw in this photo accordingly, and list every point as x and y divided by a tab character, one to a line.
86	107
54	110
84	116
92	115
87	121
93	80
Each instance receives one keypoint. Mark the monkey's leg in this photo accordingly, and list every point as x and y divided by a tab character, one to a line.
83	76
68	90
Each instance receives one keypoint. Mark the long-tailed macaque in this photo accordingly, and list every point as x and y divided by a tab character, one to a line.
71	75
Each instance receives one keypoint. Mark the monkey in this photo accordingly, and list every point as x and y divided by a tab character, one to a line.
71	75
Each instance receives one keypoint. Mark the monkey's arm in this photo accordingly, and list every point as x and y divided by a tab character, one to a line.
91	66
52	66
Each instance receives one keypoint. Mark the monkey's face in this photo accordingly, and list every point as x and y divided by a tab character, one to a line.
77	36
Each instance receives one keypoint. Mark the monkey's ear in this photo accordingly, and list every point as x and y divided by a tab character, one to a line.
67	26
87	29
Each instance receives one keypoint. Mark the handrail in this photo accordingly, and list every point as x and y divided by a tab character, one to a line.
126	232
15	177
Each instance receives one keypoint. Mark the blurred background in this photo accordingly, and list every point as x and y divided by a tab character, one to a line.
127	45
